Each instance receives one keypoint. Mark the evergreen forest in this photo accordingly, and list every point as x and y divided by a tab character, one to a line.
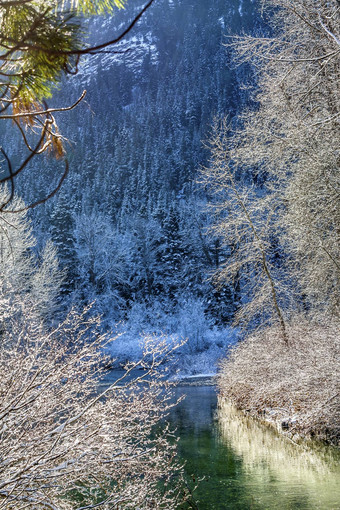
131	221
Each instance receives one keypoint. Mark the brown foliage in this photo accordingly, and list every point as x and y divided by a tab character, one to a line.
298	385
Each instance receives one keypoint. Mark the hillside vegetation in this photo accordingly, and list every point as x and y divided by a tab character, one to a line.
296	390
283	228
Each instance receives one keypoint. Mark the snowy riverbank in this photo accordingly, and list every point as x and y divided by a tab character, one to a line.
198	354
293	387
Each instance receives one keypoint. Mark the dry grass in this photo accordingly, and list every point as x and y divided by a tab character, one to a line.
295	387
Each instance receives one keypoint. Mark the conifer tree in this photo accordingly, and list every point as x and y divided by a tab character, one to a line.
40	40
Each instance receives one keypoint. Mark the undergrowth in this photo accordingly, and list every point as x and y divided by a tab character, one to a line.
295	387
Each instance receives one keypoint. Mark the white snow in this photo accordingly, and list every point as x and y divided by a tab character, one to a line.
198	357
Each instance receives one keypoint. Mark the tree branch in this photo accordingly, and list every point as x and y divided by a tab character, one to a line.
44	112
92	50
42	200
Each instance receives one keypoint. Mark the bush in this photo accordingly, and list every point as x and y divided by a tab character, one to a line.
296	388
63	445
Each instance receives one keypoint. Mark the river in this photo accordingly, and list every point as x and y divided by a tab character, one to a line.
244	465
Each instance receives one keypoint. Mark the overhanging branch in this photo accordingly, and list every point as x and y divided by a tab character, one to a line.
44	112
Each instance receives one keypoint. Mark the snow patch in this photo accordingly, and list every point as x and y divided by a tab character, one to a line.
198	359
131	52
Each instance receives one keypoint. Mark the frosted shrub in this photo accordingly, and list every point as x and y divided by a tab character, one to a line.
201	343
193	325
298	385
63	445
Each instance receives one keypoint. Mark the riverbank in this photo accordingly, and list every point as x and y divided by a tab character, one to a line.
293	388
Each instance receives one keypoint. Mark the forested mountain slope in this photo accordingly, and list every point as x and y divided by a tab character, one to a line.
130	221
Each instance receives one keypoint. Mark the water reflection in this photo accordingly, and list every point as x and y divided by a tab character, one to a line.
298	476
247	466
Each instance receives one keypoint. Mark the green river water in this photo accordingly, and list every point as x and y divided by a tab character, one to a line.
244	465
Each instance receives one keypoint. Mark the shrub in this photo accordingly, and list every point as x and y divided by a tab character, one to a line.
66	446
295	387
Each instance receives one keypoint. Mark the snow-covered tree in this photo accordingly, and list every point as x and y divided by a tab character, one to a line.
295	135
24	273
286	221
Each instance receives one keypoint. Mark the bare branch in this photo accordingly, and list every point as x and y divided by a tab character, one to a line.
44	112
41	200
